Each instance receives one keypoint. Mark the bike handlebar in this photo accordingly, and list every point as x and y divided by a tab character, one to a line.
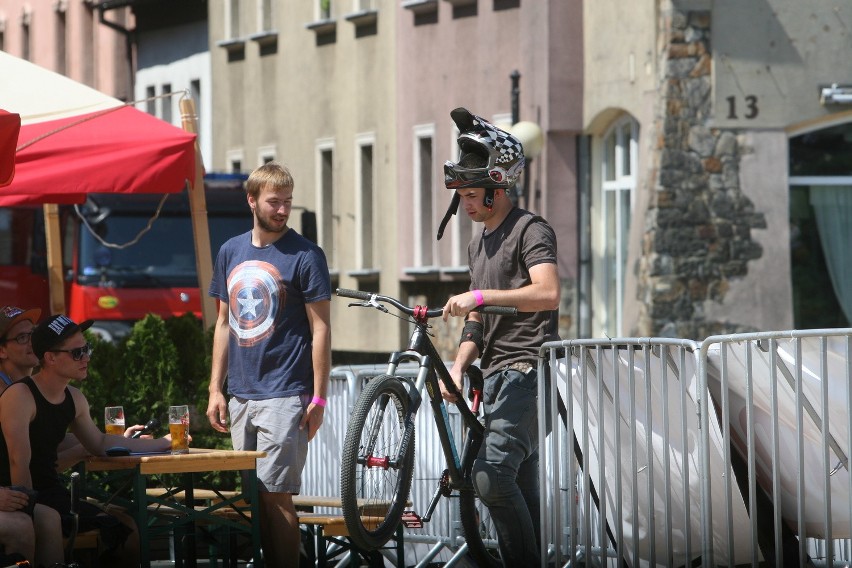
372	298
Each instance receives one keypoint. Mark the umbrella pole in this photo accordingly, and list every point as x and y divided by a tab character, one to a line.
198	210
55	280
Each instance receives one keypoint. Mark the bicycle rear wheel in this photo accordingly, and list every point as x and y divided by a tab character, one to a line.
374	477
479	531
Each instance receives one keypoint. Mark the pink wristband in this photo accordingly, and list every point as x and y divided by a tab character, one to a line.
477	294
318	401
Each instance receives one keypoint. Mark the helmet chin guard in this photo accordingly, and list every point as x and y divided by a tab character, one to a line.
489	158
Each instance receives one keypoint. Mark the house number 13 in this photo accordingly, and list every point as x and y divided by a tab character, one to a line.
750	105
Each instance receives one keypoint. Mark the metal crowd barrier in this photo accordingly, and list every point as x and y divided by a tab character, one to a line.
732	451
438	539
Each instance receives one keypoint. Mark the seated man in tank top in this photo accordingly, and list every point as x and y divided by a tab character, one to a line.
45	407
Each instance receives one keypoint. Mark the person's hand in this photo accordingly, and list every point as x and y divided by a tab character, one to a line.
312	418
459	306
217	412
135	428
11	500
458	379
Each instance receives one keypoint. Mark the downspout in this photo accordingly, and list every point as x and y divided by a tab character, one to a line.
129	38
584	237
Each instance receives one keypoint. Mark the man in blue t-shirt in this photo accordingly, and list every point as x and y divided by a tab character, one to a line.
273	342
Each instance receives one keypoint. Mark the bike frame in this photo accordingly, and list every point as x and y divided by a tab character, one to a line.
431	368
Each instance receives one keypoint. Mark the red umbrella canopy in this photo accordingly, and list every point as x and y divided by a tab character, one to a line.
10	125
75	140
123	150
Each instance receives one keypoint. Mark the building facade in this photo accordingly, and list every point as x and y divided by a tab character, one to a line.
718	166
80	40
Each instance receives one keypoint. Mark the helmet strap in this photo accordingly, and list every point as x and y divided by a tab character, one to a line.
451	210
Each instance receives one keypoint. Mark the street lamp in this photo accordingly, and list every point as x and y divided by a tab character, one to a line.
529	134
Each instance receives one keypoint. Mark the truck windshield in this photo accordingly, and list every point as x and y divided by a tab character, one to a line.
164	257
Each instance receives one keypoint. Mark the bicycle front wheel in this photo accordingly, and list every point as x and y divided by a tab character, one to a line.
375	476
479	531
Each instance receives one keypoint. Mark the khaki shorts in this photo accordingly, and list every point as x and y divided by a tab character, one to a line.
272	426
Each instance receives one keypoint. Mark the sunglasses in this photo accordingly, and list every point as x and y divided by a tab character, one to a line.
21	338
78	352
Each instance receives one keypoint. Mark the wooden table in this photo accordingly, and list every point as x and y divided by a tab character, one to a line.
174	509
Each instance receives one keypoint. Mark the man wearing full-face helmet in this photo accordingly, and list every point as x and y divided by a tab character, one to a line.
512	263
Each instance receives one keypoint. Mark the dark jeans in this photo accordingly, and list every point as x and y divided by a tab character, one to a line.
505	473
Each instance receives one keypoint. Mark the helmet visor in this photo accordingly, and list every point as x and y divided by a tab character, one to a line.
456	176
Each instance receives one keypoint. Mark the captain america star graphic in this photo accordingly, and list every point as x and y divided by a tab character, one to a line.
255	296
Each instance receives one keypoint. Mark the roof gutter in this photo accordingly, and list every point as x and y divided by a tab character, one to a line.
129	36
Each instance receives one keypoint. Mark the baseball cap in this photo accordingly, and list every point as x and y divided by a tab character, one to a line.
53	331
10	315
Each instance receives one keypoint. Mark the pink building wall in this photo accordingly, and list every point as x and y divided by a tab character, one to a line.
463	57
93	53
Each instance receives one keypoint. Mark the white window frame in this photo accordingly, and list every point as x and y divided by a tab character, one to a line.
263	152
235	155
325	206
232	29
262	25
422	131
612	319
318	10
362	258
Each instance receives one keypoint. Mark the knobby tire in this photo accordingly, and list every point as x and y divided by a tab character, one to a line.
374	498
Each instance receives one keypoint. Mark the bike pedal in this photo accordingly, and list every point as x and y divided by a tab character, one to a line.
411	520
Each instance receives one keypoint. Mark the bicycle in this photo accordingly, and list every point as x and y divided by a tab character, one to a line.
377	465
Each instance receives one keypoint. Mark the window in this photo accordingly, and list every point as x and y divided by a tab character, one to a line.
166	101
266	154
264	15
150	100
424	220
2	34
326	200
235	160
61	66
195	93
87	39
26	20
364	198
232	19
820	232
615	204
323	9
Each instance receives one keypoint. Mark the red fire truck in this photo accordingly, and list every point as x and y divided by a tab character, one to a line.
154	273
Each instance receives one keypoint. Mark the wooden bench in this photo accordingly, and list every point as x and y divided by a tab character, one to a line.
325	528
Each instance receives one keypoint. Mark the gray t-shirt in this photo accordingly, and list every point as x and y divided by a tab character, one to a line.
501	260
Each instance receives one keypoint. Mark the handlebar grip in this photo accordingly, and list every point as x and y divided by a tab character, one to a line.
498	310
353	294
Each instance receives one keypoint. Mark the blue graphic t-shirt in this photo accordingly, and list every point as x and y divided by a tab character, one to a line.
266	289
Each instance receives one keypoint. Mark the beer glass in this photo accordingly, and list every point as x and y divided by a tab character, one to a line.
179	428
114	420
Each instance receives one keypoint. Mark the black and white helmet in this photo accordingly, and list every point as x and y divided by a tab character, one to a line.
488	157
502	152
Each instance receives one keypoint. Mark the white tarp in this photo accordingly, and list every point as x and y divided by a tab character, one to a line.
38	94
835	378
649	432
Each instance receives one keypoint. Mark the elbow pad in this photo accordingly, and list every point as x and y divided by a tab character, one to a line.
473	331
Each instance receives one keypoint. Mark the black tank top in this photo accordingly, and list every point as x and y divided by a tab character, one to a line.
47	430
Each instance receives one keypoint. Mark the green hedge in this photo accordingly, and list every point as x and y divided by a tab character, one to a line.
160	363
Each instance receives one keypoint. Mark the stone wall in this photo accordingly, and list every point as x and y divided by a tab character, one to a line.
698	224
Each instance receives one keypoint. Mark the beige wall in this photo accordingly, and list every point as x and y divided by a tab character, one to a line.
305	93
